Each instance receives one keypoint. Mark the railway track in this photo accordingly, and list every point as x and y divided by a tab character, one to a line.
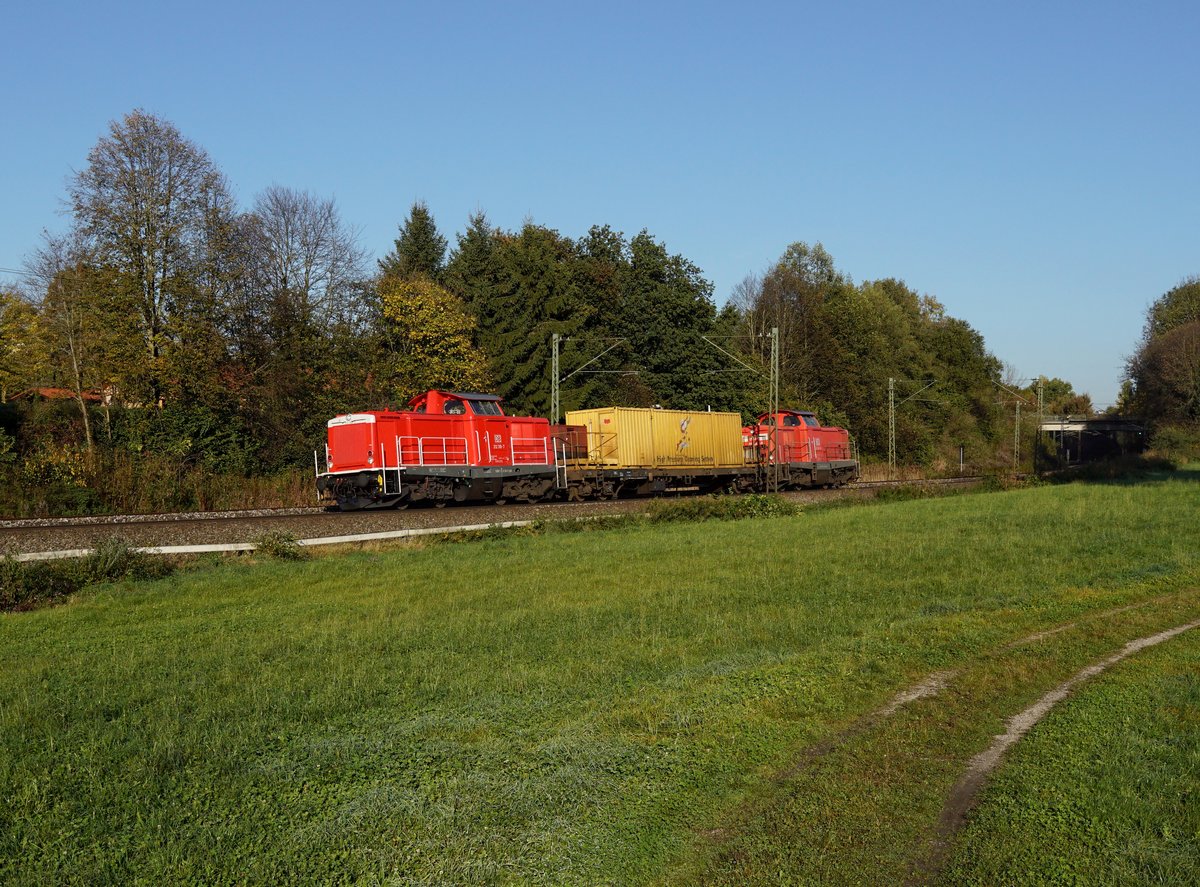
218	528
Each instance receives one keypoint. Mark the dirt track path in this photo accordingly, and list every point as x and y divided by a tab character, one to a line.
930	855
966	791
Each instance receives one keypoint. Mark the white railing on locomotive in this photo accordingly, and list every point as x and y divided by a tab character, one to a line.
426	451
560	463
385	474
321	466
530	451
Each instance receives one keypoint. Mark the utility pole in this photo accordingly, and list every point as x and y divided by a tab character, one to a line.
892	419
556	383
771	470
1017	427
891	428
1041	418
1017	439
555	403
773	406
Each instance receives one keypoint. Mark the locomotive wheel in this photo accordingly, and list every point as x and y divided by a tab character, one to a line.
440	503
499	501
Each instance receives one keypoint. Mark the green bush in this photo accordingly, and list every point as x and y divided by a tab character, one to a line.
280	546
1179	443
721	508
8	447
26	585
117	559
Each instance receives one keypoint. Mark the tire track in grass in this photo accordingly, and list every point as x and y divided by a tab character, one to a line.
933	684
966	791
1067	626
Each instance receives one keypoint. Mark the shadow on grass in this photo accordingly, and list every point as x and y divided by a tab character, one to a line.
1124	471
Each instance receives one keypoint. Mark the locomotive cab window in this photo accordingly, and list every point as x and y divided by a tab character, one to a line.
485	407
454	408
811	421
791	421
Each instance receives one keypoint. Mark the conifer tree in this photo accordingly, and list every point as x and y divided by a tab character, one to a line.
420	250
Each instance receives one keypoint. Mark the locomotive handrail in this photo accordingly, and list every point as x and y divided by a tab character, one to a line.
811	450
560	466
532	451
432	450
383	467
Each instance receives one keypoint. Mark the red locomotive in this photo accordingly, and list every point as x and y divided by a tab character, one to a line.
458	447
446	447
808	453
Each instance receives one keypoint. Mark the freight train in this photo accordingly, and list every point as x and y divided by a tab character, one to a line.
462	447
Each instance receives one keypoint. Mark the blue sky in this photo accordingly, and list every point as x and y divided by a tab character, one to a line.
1032	165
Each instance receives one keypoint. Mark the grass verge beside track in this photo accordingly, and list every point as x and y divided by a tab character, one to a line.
628	705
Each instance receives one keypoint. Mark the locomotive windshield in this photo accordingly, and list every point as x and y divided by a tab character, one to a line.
485	407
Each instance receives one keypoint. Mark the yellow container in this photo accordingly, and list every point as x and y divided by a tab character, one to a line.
627	437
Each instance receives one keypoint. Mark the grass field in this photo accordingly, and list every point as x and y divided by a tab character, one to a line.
636	705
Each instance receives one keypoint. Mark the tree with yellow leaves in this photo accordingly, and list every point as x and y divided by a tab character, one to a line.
427	334
21	354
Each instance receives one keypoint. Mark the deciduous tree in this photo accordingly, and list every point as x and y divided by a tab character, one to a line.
1178	306
83	324
21	355
1166	374
147	205
427	334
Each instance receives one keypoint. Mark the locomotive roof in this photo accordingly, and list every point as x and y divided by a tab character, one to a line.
461	395
464	395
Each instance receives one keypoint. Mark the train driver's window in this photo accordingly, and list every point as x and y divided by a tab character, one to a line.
485	408
455	408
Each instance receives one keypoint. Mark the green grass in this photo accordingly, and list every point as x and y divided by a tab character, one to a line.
1105	791
605	707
